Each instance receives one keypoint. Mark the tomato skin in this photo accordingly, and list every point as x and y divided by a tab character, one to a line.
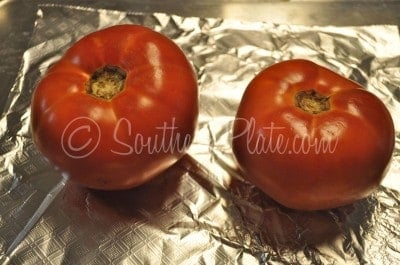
269	129
122	142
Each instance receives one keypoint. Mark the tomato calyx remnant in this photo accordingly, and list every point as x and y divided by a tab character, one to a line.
312	102
106	82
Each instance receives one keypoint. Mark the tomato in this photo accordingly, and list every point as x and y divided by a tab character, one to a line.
310	138
117	109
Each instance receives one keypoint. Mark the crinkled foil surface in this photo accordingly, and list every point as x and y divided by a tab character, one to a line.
200	211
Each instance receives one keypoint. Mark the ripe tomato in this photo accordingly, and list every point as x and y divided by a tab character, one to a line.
117	109
310	138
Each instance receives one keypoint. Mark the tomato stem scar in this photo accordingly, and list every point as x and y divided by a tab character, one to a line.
106	82
312	102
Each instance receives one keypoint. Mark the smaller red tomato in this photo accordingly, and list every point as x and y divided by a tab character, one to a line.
312	139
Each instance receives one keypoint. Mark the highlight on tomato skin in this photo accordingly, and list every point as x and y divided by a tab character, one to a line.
310	138
117	109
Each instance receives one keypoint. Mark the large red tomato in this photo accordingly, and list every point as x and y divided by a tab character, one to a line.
310	138
117	109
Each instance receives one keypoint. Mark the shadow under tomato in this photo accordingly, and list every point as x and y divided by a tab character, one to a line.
130	205
280	228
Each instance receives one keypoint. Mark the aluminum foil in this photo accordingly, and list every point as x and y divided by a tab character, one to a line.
200	211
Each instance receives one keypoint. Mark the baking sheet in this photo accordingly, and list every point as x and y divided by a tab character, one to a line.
200	211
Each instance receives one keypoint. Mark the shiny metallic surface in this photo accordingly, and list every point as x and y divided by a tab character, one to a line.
200	211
